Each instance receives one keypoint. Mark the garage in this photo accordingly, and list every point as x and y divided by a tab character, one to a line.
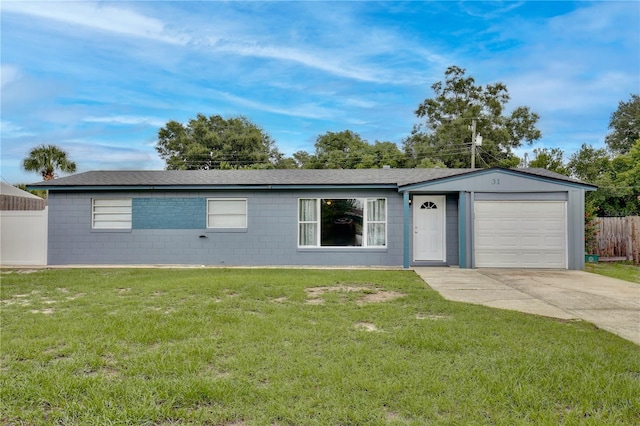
520	234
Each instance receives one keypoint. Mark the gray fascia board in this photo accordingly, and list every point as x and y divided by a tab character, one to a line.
208	187
412	186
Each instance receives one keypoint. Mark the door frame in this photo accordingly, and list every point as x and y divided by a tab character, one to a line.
417	202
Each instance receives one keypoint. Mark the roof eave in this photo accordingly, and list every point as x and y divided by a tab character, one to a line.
210	187
581	185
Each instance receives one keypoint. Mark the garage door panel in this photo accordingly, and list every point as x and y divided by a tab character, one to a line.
556	241
525	234
531	241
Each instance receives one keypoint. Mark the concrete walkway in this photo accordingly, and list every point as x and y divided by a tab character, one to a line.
609	303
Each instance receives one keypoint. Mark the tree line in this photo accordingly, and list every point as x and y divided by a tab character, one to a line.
442	139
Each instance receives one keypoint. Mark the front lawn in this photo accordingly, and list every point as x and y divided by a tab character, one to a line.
294	347
623	271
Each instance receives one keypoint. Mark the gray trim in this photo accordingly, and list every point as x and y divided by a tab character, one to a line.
210	187
224	230
471	254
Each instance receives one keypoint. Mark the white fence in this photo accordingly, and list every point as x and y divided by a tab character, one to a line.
23	237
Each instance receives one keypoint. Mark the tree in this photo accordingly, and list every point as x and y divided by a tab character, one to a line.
428	163
214	143
625	126
347	150
387	154
550	159
42	193
589	163
46	159
446	136
339	150
618	179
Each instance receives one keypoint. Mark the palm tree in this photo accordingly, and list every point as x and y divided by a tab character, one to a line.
46	159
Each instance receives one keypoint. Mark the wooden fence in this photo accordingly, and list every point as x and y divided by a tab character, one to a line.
618	238
12	202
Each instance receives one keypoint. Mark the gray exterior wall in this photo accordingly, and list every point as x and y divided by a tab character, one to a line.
452	236
172	236
169	227
502	185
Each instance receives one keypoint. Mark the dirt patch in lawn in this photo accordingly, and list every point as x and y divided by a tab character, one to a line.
369	294
366	326
433	317
47	311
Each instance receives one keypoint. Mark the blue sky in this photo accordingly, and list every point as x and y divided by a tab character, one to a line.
99	79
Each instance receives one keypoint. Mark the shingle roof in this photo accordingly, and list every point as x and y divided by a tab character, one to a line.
302	177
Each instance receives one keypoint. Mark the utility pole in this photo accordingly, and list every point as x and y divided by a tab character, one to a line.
473	143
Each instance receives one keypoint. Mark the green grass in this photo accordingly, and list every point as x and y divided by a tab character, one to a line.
623	271
254	347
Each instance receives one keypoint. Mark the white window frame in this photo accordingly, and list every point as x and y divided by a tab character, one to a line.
365	223
116	212
210	214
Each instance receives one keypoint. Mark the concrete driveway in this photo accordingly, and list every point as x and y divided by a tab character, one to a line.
609	303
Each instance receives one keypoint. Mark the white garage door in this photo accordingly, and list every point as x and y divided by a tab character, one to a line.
520	234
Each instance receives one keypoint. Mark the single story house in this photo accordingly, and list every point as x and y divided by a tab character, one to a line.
524	218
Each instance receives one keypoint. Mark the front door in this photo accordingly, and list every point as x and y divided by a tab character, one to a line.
429	227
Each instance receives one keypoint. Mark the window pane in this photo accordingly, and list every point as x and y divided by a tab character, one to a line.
376	234
112	217
308	210
308	234
227	221
376	210
226	213
341	221
112	225
227	206
112	209
111	213
111	202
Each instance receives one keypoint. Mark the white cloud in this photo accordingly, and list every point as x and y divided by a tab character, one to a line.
314	60
93	155
360	103
489	9
126	120
8	74
97	16
304	110
11	130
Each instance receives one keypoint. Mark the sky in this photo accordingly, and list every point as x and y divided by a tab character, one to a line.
99	79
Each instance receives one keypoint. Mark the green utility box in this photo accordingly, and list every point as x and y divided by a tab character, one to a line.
591	258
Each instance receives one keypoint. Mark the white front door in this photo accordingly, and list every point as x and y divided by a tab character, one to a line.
429	238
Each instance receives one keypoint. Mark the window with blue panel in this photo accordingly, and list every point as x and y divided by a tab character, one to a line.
169	213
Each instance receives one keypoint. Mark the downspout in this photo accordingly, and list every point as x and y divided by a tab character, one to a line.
406	230
472	230
462	229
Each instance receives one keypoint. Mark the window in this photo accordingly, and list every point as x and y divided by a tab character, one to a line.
429	205
111	213
226	213
342	222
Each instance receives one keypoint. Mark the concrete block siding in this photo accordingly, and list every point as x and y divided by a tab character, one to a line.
170	228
